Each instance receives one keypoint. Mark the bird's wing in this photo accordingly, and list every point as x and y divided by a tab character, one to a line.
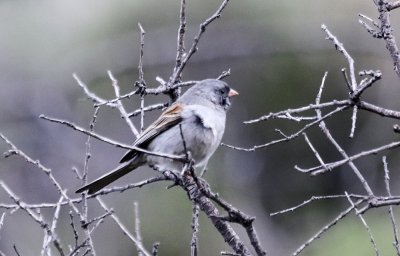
170	117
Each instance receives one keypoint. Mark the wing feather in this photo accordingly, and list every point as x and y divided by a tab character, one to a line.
170	117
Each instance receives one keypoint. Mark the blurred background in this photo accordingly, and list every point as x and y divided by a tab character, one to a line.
277	54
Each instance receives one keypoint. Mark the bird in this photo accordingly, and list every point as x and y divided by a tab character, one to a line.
197	118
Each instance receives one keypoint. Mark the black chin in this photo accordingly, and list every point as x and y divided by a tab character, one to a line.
226	103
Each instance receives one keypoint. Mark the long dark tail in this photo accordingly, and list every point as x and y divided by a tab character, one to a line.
109	177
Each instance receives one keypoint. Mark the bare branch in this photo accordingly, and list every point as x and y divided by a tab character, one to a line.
3	216
391	214
41	167
76	236
285	113
375	32
141	83
137	226
15	250
137	243
195	230
387	33
196	196
317	155
177	73
109	141
36	218
327	133
326	227
353	121
330	166
371	237
340	48
180	51
317	198
374	76
224	74
96	99
141	110
393	5
121	107
378	110
292	136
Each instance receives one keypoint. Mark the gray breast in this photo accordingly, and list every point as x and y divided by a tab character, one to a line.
200	138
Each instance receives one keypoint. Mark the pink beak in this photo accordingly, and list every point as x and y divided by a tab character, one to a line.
232	93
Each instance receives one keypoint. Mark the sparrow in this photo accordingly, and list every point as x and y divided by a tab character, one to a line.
196	118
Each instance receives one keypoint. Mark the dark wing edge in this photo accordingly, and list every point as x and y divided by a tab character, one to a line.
170	117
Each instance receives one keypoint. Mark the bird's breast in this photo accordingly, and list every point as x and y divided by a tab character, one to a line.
200	132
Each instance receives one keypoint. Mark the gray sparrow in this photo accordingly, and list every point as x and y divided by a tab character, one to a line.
199	115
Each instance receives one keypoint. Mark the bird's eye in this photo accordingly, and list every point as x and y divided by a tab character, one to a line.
221	91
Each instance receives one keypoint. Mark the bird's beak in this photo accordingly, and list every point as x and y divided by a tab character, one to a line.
232	93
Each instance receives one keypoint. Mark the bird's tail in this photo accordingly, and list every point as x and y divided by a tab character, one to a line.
109	177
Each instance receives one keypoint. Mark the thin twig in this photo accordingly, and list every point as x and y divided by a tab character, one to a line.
353	121
120	106
140	66
41	167
109	141
148	108
36	218
137	226
371	237
317	198
328	134
326	228
374	32
177	73
55	218
195	230
393	5
3	216
391	214
285	113
84	216
97	219
340	48
292	136
141	83
180	51
347	159
346	78
137	243
15	250
72	224
317	155
224	74
96	99
387	32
